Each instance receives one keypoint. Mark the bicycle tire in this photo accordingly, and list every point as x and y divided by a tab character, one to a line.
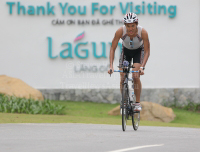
124	109
136	120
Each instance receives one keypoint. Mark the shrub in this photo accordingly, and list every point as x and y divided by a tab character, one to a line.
12	104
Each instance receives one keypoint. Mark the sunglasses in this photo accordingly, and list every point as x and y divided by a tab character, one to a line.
131	43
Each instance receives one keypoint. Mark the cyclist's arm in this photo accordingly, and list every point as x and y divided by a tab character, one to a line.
146	46
115	41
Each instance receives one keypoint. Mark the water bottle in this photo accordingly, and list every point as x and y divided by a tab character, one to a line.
131	94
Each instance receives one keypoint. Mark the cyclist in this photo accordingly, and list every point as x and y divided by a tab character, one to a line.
135	44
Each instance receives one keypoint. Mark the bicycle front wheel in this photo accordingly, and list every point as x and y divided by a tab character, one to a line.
124	109
136	120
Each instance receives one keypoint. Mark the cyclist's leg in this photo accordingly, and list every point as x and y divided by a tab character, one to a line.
137	82
137	61
121	80
121	59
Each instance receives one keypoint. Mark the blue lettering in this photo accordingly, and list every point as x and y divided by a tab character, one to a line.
137	8
122	9
50	9
131	7
72	10
10	6
69	49
160	7
172	11
40	8
19	7
103	55
84	10
50	48
149	6
112	9
155	8
105	8
94	7
84	50
31	10
63	8
143	7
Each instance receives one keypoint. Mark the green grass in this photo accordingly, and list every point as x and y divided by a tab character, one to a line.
186	117
12	104
97	113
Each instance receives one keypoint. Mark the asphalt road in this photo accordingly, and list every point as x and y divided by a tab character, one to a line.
96	138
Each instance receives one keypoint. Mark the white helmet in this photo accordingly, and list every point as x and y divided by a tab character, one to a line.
130	18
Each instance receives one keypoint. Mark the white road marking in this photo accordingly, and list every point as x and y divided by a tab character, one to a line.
134	148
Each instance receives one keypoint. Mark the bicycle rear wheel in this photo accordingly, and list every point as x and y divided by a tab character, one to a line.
124	109
136	120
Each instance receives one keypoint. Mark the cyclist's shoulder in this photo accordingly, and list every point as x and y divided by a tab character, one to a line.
142	29
119	32
144	34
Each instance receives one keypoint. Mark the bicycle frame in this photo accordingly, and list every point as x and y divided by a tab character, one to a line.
128	109
126	70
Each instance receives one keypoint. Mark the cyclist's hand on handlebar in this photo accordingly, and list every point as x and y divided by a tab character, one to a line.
110	71
141	71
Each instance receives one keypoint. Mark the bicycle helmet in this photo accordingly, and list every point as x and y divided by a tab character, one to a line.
130	18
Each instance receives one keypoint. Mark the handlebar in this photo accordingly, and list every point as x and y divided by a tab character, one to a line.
122	71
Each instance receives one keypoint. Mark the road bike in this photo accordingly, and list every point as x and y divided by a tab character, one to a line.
128	106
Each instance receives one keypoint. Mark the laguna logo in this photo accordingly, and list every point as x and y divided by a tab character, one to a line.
80	36
80	50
